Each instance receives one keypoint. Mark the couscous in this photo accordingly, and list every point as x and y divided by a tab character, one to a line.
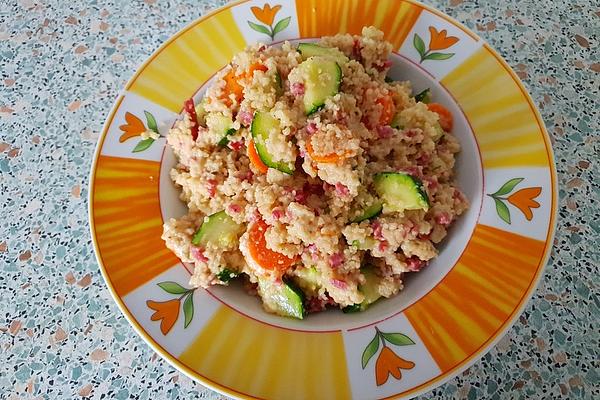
312	177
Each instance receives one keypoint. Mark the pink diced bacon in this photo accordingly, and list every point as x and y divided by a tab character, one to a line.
311	128
211	186
335	260
235	208
443	218
198	254
377	230
245	117
341	190
277	213
385	131
338	283
297	89
237	145
415	264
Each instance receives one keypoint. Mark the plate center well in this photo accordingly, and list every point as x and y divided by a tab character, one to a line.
470	181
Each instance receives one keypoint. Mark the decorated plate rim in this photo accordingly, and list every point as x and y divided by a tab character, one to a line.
424	387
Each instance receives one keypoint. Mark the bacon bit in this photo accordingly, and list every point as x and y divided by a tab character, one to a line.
424	159
317	304
385	131
410	133
237	145
313	188
431	183
382	67
339	283
443	219
313	251
366	122
341	190
458	195
300	196
414	231
247	176
277	213
297	89
198	254
262	48
311	128
211	186
235	208
415	264
383	245
327	187
335	260
414	171
255	216
356	50
191	110
245	117
377	230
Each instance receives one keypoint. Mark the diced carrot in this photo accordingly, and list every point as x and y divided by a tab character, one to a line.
232	87
388	109
446	120
326	159
261	254
255	67
255	158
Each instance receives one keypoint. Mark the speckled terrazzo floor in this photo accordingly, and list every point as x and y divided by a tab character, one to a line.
62	65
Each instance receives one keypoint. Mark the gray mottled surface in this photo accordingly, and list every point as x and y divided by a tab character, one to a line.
62	65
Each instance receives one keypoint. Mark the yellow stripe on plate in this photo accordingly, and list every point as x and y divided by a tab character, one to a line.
175	73
318	18
264	361
504	123
478	296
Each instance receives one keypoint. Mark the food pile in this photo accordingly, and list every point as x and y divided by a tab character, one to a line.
312	177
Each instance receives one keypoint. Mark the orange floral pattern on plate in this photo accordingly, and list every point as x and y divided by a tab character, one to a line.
135	127
266	15
387	363
523	199
167	312
438	40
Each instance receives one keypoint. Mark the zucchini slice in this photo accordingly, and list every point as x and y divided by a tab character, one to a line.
282	298
424	96
312	49
370	212
263	125
322	79
369	289
400	192
223	126
439	132
218	229
368	244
